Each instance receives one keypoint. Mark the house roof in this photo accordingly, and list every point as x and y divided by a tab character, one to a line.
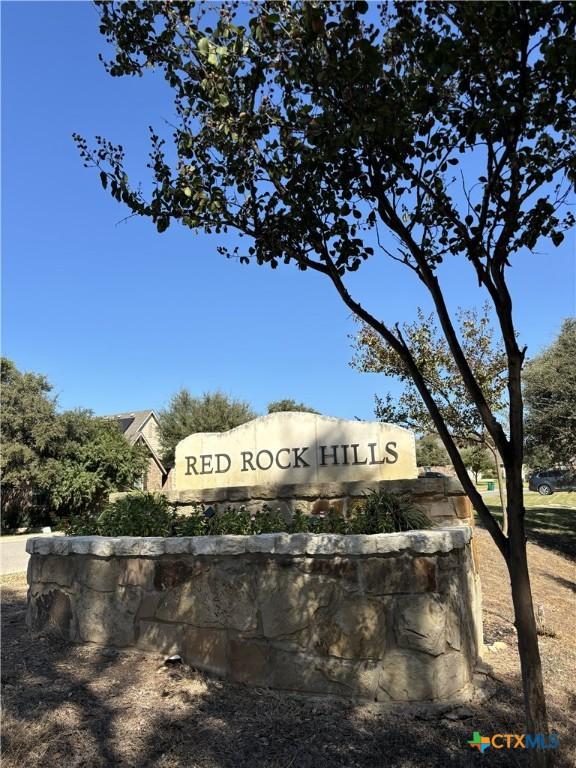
131	424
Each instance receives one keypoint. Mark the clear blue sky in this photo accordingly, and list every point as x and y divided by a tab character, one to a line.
119	317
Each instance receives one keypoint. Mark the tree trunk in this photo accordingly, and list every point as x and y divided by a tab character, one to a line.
525	622
497	461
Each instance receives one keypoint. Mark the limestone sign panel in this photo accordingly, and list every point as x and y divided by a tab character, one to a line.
295	448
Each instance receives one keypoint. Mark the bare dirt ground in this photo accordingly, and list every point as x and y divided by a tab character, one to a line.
75	706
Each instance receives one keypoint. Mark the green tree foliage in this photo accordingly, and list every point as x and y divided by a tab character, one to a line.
288	404
477	459
187	414
93	458
430	350
317	130
64	463
430	452
550	397
30	432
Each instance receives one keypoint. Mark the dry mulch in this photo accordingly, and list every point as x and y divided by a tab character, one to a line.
71	706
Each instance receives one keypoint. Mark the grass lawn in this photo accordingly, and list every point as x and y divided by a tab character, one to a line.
550	520
482	485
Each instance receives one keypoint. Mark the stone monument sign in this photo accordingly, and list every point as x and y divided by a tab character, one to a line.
295	448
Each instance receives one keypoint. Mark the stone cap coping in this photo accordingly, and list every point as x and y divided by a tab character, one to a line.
429	542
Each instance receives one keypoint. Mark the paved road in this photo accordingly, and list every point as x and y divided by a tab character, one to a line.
13	555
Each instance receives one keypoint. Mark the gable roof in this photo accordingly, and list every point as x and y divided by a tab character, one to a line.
131	424
153	453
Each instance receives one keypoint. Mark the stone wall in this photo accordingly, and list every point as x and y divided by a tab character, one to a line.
153	476
443	499
391	617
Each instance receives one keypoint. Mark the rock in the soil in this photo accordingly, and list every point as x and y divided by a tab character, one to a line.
460	713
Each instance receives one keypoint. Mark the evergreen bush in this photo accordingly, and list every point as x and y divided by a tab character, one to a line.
148	514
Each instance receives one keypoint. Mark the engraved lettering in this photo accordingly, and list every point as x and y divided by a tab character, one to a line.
191	465
298	460
333	453
372	446
283	466
206	460
355	447
391	452
225	457
264	453
247	459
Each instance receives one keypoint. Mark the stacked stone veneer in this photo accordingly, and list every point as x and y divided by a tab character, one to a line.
443	499
391	617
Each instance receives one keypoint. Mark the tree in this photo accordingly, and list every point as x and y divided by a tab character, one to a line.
430	452
186	414
29	431
431	352
477	459
550	396
288	404
316	125
92	459
56	462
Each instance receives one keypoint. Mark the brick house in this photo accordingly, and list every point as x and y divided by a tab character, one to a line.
141	427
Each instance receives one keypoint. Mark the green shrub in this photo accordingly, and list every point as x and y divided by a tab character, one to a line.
137	514
330	521
300	522
269	520
385	512
380	512
85	524
148	514
194	524
230	521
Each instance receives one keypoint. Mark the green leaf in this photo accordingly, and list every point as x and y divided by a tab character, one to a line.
223	100
204	46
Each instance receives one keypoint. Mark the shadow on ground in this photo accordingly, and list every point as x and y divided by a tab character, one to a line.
550	527
89	706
